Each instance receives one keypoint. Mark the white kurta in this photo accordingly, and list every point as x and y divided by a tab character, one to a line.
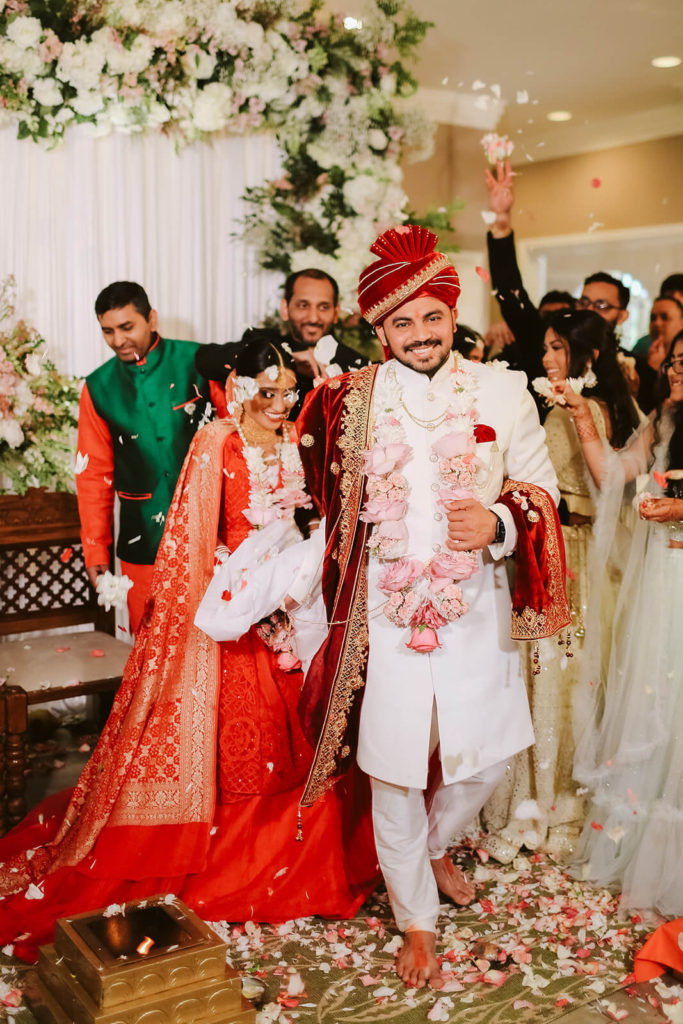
475	678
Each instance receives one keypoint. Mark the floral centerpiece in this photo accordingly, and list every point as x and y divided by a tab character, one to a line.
329	88
38	408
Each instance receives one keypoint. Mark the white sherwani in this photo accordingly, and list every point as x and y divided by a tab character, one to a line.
474	680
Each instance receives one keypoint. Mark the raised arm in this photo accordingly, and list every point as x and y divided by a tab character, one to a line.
633	459
517	309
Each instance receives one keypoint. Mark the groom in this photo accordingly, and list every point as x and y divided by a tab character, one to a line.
419	675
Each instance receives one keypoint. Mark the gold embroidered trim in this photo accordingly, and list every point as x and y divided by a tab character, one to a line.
349	678
334	383
334	468
382	307
354	434
353	440
307	440
530	624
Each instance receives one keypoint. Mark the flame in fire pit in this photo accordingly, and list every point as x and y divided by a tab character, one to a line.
145	946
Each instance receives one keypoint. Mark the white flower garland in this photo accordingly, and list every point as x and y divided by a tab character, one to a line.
276	488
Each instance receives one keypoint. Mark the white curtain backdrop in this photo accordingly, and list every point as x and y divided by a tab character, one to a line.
128	207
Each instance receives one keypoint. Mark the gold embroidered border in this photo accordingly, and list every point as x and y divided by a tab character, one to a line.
530	624
349	678
393	298
354	438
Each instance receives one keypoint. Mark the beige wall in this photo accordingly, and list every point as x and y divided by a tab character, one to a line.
454	171
640	185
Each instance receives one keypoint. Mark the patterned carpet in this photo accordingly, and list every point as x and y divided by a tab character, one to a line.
534	946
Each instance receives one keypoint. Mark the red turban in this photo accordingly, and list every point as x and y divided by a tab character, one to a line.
408	266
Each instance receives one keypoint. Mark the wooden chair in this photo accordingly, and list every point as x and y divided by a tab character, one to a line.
44	586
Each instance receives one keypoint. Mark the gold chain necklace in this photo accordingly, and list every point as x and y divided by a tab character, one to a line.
425	424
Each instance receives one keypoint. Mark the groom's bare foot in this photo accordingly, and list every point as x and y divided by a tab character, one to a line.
416	964
452	881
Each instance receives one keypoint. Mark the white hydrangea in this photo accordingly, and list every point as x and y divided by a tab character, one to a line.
157	113
47	92
377	139
198	63
25	32
11	432
121	61
23	398
87	103
129	12
81	63
169	19
325	156
11	57
212	107
31	65
364	194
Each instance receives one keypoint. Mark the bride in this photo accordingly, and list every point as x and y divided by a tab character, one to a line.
194	785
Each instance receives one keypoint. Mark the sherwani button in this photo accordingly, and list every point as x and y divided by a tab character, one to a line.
436	547
433	458
438	516
435	487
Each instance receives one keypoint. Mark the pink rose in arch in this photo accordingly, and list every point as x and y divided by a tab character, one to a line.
400	574
453	444
423	640
377	510
383	459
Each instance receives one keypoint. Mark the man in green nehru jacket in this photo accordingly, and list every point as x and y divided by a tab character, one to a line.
137	416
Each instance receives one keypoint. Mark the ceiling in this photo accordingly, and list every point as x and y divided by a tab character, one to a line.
590	57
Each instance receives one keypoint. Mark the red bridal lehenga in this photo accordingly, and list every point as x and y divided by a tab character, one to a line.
194	786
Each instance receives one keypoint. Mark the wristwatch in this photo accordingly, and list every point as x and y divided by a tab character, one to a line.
500	530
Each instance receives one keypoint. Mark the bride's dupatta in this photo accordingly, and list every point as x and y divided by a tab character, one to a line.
144	804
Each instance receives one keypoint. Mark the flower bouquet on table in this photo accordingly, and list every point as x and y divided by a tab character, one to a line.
38	408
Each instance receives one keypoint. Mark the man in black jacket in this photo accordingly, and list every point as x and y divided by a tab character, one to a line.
310	308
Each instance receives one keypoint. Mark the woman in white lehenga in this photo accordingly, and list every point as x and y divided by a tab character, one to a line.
630	751
537	805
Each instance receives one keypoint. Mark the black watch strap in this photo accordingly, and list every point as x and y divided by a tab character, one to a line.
500	530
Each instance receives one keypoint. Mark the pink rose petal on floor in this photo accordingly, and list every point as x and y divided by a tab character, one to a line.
596	182
96	653
483	273
61	650
496	978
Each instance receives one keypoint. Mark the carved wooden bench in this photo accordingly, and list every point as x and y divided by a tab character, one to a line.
44	586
